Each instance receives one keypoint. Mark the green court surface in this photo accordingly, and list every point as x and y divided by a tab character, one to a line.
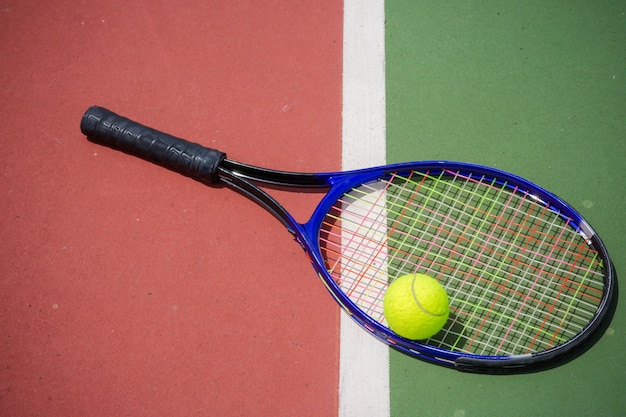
538	89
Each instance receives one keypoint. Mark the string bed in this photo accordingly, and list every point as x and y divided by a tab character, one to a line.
520	276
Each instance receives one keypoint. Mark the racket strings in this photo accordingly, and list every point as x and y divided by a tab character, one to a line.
519	277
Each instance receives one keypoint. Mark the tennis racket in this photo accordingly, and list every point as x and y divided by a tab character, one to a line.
530	283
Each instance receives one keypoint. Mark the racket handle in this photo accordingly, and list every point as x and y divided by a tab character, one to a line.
104	127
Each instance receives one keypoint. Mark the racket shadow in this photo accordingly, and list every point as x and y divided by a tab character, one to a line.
454	334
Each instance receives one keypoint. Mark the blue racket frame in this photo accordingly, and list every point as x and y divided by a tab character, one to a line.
338	183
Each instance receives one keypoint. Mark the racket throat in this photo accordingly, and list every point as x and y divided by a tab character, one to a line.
260	197
276	178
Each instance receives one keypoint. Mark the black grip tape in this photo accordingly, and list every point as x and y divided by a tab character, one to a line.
104	127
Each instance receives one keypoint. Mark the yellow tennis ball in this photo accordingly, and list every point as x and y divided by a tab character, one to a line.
416	306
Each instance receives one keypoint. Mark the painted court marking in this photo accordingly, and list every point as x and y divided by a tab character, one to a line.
364	361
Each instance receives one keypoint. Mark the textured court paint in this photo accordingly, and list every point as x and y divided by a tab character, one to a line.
364	361
536	88
127	289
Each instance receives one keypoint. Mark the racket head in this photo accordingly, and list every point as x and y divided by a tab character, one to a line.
529	280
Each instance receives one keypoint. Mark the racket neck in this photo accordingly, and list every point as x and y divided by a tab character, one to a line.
273	177
240	184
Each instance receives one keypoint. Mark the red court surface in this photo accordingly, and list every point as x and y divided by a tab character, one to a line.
129	290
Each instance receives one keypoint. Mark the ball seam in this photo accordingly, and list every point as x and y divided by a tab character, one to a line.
419	304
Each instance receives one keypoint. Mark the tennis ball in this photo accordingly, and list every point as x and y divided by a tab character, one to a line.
416	306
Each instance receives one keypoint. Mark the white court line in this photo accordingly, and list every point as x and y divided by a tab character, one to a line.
364	361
